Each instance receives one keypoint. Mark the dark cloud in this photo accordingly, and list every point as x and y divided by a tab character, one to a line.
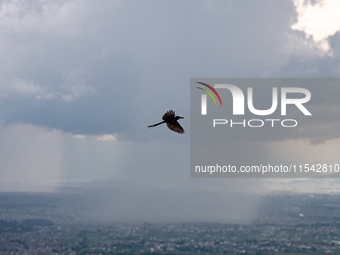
132	70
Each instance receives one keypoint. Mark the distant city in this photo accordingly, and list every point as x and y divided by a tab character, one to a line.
285	224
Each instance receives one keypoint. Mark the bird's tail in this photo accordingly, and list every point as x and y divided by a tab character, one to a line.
156	124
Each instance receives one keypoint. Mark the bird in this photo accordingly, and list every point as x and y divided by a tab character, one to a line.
171	121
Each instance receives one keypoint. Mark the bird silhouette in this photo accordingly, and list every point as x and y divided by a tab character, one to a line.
171	121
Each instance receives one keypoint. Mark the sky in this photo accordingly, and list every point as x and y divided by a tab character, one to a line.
80	81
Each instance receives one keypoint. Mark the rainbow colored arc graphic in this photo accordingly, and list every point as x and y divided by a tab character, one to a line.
209	93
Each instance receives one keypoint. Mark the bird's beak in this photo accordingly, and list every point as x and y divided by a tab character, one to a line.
182	117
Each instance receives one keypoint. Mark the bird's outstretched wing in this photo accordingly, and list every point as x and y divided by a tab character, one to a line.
175	126
168	114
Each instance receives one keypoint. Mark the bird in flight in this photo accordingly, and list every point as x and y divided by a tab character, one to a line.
171	121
